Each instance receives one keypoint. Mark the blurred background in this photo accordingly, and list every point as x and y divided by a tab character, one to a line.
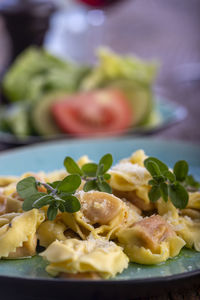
164	31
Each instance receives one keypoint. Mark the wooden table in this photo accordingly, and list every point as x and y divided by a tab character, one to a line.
168	31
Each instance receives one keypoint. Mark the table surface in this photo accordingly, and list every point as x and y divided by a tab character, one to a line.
167	31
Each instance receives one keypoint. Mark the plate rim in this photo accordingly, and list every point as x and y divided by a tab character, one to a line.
42	144
158	279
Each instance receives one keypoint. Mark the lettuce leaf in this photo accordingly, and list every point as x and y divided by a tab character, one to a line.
114	67
36	72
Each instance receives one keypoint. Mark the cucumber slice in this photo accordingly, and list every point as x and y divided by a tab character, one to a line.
14	119
42	120
140	97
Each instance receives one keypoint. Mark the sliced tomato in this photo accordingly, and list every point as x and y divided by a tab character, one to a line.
95	113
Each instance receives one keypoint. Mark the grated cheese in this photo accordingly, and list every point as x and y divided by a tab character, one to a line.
136	173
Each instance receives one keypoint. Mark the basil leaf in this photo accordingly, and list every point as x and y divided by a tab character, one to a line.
178	195
106	176
153	168
164	191
27	187
181	170
154	193
28	202
71	166
90	185
163	167
106	161
71	204
42	201
89	169
52	212
69	184
104	187
170	176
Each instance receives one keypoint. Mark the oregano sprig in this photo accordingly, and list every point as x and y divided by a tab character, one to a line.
170	184
59	195
95	175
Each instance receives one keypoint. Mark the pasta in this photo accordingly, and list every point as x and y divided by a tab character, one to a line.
129	179
74	256
150	241
20	229
108	211
107	232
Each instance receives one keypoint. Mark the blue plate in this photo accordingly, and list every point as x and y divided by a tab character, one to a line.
166	113
138	279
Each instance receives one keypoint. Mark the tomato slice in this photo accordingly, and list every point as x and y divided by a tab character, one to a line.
95	113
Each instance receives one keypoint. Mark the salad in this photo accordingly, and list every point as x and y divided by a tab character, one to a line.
49	96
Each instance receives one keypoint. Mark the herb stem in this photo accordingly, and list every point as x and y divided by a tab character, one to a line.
47	186
88	178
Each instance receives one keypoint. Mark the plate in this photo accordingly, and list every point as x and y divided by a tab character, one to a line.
28	277
168	114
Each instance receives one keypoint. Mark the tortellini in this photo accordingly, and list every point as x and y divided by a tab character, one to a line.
19	231
49	231
150	241
129	179
101	214
107	232
185	226
5	181
11	203
75	256
194	200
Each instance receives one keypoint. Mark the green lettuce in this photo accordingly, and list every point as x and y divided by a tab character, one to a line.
36	72
114	67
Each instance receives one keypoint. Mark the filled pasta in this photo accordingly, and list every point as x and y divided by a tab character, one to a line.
93	230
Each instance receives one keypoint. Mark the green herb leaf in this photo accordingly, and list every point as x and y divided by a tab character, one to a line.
90	185
71	166
100	170
52	212
106	176
55	184
152	182
71	204
159	179
42	201
106	161
69	184
89	169
164	191
59	193
27	187
163	167
181	170
170	176
191	182
104	187
154	193
61	207
153	168
178	195
28	202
